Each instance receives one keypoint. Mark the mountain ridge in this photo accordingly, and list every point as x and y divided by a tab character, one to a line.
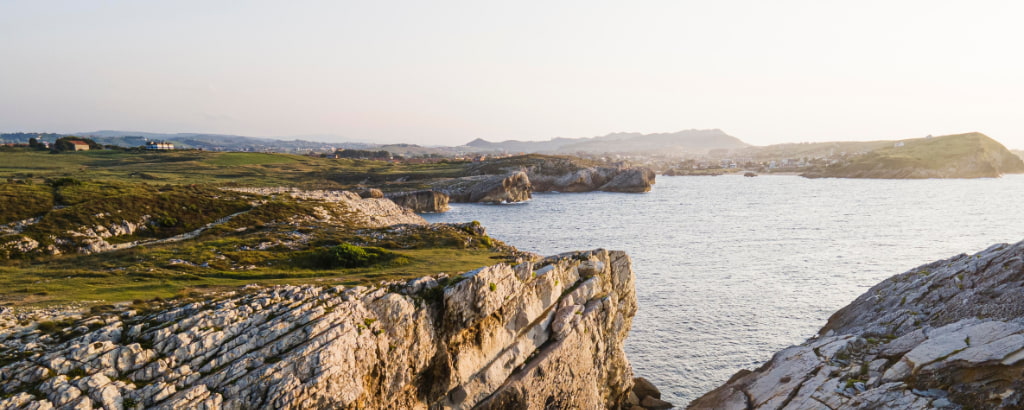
691	141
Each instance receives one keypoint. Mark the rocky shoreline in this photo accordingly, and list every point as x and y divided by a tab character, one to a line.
949	334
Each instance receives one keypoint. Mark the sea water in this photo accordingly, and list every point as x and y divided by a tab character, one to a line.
732	269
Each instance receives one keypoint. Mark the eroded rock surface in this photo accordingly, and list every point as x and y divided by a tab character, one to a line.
508	188
949	334
534	335
597	178
370	211
421	201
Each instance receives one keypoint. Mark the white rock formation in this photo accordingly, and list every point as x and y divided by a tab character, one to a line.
529	336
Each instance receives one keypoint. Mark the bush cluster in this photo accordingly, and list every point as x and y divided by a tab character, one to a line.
352	256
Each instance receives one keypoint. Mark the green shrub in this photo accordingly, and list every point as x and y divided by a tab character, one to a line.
64	181
352	256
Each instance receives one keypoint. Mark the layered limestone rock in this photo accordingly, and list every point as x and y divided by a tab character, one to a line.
95	238
610	179
421	201
535	335
630	180
495	189
370	211
949	334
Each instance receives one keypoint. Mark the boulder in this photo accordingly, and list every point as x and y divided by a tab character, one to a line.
371	193
644	388
651	403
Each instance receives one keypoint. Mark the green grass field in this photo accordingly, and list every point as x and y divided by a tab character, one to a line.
120	277
221	168
171	193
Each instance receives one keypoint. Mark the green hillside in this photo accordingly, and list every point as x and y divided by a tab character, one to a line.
168	230
172	240
971	155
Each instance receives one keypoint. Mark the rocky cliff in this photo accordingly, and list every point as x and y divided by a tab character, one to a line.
535	335
563	175
503	188
421	201
949	334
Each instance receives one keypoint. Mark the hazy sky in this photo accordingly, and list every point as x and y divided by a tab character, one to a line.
439	72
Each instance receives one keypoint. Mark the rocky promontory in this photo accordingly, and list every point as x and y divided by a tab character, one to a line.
567	175
494	189
972	155
949	334
514	179
545	334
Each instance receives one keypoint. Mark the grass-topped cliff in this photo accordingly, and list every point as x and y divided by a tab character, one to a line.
270	170
972	155
71	240
116	225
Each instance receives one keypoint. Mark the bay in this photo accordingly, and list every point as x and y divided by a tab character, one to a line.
732	269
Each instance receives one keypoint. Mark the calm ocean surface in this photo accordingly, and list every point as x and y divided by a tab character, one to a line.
732	269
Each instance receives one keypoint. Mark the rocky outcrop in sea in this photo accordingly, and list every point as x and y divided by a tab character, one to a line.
949	334
494	189
562	175
546	334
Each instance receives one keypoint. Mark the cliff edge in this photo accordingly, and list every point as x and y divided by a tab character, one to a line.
535	335
949	334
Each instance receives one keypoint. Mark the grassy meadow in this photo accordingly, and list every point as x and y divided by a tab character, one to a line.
220	168
250	238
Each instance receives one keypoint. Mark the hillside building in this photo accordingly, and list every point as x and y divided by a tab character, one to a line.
155	145
80	145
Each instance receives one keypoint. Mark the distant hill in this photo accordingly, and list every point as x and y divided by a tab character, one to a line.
811	149
413	150
687	141
212	142
972	155
24	137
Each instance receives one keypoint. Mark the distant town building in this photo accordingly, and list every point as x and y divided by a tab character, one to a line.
156	145
80	145
898	144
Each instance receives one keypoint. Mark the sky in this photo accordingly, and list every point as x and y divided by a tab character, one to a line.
446	72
